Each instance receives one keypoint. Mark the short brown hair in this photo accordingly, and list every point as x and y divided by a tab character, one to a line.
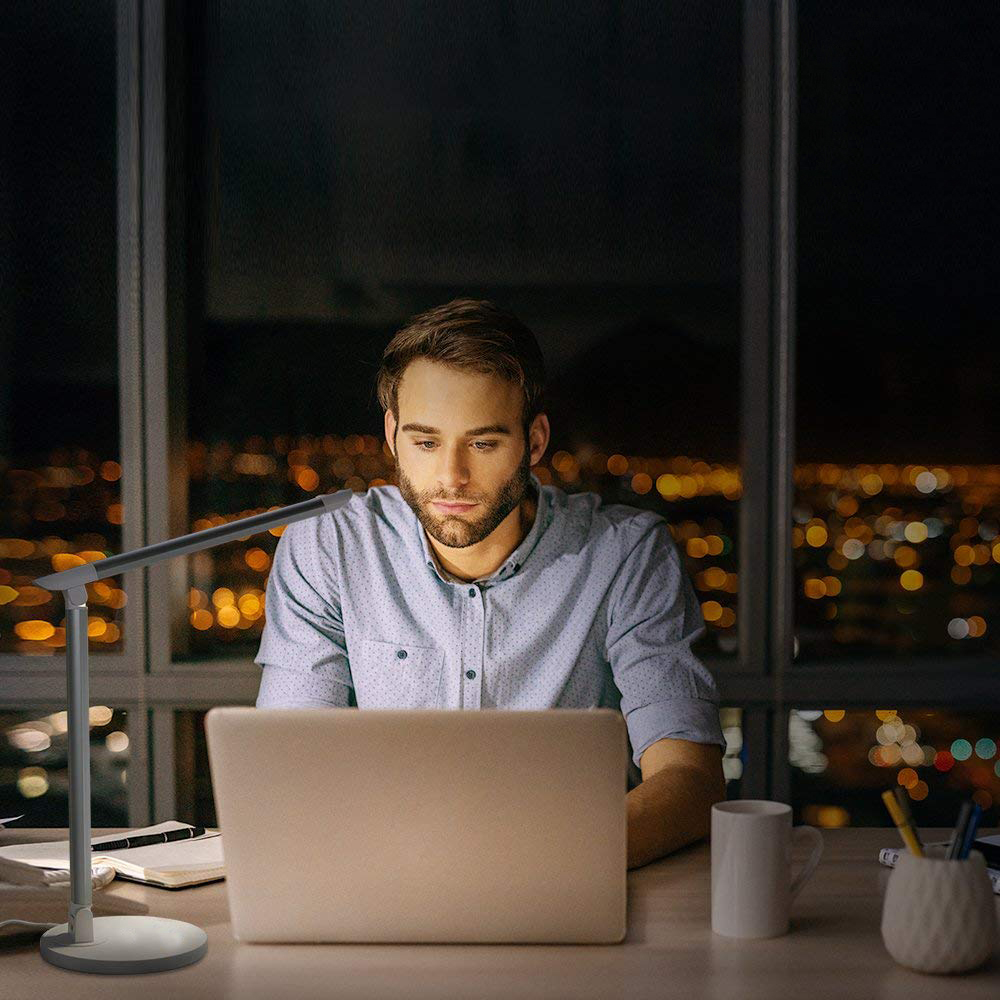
469	334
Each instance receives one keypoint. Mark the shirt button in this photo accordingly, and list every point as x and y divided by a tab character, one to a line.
470	674
401	653
472	592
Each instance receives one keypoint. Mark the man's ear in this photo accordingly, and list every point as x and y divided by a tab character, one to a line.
390	431
538	437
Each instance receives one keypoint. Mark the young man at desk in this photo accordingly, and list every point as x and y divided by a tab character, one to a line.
473	585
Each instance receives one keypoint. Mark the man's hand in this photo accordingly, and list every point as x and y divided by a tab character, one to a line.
672	807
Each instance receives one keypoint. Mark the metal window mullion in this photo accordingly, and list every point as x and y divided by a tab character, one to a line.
755	405
755	284
767	410
756	724
163	417
163	296
163	758
129	224
783	329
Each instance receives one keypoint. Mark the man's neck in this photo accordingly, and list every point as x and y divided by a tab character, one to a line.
467	565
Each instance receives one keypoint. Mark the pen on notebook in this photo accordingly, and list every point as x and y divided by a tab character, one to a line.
958	834
904	808
184	833
970	831
902	824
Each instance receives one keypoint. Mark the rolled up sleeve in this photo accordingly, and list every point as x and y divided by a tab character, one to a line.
302	648
654	618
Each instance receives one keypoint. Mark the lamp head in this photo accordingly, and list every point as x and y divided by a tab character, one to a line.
75	576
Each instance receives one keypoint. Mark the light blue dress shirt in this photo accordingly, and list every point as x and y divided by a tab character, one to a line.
593	609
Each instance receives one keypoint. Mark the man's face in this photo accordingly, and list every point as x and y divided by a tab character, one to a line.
438	459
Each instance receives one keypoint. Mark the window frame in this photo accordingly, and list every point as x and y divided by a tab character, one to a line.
155	204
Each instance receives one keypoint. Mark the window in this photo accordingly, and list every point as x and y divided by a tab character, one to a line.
34	776
618	192
897	516
842	761
196	799
60	498
581	168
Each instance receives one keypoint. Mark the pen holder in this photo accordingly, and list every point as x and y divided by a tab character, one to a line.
938	915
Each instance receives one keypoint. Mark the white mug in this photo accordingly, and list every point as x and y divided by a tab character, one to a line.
752	884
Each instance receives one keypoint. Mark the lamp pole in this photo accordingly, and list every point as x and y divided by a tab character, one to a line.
135	943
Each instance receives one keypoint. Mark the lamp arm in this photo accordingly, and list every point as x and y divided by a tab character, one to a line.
91	572
72	582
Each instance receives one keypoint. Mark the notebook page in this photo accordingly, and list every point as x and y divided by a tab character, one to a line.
55	854
186	856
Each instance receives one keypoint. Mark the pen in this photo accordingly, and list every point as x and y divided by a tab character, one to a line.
902	824
958	834
904	808
970	831
185	833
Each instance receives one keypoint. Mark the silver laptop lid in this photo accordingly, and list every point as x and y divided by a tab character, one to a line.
422	825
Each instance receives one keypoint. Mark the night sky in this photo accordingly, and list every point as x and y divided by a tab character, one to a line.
579	164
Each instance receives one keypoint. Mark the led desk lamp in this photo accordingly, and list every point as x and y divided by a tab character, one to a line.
126	944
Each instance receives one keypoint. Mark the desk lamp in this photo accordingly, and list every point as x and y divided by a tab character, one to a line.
126	944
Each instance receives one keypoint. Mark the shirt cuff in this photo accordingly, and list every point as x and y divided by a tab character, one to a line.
281	687
695	719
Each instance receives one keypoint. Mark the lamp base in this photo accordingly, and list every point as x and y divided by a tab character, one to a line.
126	945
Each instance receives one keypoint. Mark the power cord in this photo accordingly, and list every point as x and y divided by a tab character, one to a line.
101	875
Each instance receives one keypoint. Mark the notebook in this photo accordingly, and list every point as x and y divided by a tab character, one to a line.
989	846
173	865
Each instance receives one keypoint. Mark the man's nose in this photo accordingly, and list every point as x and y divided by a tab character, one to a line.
453	471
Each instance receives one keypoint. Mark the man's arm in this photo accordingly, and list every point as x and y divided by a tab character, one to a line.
681	781
303	650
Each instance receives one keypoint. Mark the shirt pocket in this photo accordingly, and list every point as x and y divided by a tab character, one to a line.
396	674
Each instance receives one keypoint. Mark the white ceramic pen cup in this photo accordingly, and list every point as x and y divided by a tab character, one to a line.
939	915
752	884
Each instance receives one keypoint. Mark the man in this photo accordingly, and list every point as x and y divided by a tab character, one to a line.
472	585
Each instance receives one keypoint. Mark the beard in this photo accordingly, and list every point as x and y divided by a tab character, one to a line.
458	531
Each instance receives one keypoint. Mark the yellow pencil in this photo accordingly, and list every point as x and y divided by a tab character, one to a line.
904	808
902	824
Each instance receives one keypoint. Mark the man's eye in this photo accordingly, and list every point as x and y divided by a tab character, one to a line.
480	445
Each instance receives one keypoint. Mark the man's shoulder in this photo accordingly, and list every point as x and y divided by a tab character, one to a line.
617	526
377	512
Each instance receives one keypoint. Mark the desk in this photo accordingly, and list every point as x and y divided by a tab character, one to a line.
834	948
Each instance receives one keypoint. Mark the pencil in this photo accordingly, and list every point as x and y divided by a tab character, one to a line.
970	832
904	808
905	829
958	835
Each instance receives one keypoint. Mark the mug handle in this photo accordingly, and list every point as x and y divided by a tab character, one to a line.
810	833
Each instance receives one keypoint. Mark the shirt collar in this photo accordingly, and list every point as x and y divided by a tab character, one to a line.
514	561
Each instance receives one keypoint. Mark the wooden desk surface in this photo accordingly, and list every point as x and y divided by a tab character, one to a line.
833	949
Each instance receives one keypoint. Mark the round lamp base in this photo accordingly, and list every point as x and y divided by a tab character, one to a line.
126	945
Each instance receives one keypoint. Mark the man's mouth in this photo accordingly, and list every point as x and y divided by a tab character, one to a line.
453	508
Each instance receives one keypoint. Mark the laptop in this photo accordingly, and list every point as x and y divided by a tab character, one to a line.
422	825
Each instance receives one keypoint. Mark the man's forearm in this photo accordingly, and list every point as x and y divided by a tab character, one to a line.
669	810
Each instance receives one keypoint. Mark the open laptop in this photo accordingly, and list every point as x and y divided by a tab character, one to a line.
422	825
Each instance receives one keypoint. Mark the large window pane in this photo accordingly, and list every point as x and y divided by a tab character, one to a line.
193	776
842	761
579	166
34	775
897	487
60	501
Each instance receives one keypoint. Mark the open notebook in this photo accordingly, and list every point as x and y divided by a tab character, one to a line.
170	866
